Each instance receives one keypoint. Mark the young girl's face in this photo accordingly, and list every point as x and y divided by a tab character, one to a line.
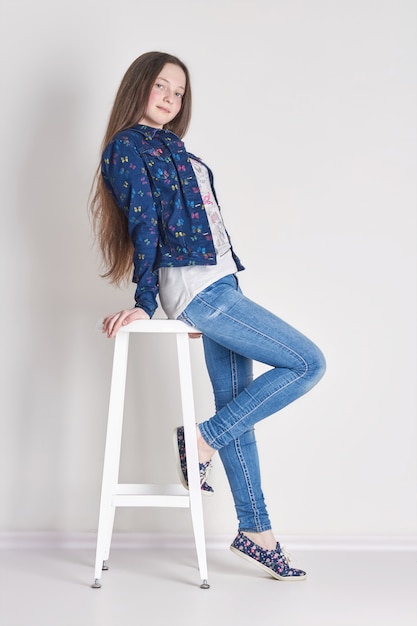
166	95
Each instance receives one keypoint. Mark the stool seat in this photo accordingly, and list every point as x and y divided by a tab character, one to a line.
153	326
115	494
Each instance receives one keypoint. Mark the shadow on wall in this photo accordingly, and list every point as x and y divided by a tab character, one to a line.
62	381
55	247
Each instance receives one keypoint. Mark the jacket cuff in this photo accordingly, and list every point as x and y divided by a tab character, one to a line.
148	309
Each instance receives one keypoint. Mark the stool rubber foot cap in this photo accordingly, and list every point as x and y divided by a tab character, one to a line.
204	585
96	584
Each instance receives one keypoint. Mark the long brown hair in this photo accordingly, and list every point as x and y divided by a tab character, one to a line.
109	222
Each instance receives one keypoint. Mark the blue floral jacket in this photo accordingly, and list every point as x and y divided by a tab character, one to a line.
149	173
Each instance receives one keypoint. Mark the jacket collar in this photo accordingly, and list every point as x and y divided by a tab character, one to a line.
149	132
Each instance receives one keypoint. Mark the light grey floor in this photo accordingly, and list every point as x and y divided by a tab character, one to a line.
161	588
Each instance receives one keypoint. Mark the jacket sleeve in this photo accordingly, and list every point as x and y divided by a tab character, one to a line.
125	175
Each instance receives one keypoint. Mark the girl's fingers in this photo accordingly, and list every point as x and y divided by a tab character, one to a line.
112	323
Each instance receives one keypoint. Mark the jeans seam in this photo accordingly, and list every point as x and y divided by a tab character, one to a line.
247	482
233	369
255	511
235	392
184	318
212	442
257	332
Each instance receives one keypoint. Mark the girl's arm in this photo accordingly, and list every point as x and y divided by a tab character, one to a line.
113	322
125	175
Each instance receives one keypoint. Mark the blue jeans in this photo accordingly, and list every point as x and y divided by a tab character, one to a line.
237	331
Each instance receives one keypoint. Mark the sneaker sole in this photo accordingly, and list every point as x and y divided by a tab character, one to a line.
265	568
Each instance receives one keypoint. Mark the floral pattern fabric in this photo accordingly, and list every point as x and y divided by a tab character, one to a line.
275	562
149	173
182	463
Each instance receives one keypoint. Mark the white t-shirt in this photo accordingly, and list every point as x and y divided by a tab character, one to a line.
179	285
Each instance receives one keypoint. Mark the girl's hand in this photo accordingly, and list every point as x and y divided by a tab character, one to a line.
113	322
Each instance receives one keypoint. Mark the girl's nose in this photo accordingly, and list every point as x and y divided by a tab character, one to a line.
169	97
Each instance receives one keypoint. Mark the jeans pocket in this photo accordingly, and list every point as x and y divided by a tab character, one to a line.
183	317
230	280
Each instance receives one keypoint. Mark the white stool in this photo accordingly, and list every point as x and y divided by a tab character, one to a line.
114	494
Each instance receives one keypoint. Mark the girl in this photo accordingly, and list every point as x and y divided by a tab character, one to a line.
156	203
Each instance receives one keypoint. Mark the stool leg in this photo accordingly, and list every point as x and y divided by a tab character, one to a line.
112	453
196	503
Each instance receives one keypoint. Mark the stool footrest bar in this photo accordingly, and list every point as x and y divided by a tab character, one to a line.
174	496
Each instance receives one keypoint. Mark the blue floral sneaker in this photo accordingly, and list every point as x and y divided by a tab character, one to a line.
275	562
179	444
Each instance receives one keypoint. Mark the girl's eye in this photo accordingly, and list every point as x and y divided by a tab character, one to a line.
179	95
159	85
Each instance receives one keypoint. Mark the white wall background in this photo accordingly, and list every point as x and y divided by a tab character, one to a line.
316	100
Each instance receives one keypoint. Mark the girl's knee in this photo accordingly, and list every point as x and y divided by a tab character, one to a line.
317	365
